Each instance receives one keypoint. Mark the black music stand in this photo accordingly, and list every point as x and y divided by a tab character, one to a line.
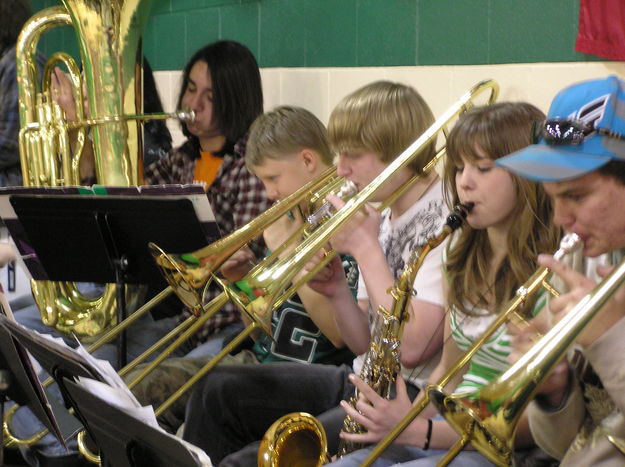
20	383
125	441
122	439
58	360
105	238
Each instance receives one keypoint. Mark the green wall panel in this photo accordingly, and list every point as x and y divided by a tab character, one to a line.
320	33
330	37
240	23
453	32
387	32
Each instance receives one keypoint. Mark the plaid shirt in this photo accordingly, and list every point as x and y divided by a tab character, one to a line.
236	197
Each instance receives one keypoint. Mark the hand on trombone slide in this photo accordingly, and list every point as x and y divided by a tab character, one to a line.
330	280
524	337
238	264
579	286
359	232
380	415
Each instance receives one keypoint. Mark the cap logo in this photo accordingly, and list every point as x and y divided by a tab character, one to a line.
592	112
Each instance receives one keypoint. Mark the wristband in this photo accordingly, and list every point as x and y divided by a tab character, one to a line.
428	435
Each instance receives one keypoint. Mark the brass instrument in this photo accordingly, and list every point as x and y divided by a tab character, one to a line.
269	283
382	361
189	274
269	455
525	292
489	420
109	37
222	248
299	437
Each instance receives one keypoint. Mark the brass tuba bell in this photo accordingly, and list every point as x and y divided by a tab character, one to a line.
109	35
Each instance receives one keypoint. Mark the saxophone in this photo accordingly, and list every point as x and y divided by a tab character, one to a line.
382	361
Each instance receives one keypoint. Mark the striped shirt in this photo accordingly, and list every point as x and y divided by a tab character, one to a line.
492	358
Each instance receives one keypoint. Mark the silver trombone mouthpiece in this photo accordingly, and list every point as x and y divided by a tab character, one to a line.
186	115
347	190
569	243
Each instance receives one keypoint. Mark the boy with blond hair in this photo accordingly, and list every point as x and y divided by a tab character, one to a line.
287	148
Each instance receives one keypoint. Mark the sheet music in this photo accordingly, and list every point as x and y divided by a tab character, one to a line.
123	399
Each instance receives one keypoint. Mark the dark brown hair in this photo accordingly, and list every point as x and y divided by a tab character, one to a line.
237	91
496	130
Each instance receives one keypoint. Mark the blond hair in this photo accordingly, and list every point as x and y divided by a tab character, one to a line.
284	131
382	117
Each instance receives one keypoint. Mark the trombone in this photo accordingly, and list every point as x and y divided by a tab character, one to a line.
220	250
490	420
538	280
272	280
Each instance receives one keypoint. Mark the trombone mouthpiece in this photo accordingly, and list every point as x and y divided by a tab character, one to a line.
347	190
569	243
186	115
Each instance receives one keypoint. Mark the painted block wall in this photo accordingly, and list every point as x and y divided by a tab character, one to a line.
358	33
314	52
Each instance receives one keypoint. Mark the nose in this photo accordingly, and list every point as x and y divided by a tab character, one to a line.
562	215
464	179
272	193
343	168
196	103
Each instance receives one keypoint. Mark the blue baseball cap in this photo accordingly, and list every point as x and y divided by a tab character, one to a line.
599	104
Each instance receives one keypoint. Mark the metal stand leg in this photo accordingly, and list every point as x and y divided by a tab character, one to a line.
120	269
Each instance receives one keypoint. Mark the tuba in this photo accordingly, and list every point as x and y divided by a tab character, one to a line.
489	419
109	36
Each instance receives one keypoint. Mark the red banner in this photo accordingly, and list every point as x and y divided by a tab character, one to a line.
602	28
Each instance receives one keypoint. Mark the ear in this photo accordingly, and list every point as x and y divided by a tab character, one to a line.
310	159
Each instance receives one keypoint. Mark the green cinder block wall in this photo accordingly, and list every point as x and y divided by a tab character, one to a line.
357	33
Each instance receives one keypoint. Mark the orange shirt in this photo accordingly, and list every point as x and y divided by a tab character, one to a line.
206	168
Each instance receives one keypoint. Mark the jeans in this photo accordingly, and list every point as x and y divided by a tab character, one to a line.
412	456
232	409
